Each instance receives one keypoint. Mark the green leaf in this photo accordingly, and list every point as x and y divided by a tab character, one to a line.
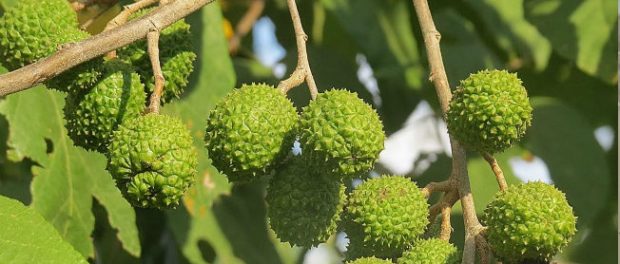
583	31
119	210
513	33
25	237
66	177
565	141
242	217
463	50
383	32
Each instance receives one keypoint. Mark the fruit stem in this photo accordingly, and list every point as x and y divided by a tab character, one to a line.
153	48
497	170
459	160
446	227
302	71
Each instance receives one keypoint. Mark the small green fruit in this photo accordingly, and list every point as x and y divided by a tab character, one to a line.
176	53
93	115
153	160
383	216
341	134
489	111
431	251
34	29
529	222
303	207
370	260
250	131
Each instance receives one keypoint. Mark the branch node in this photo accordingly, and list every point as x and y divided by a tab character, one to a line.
302	71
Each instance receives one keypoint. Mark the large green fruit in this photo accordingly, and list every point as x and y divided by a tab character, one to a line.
370	260
250	131
489	111
529	222
303	207
153	160
176	54
35	29
383	216
431	251
341	134
93	115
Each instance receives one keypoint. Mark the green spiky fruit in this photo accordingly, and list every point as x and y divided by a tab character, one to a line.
383	216
341	133
93	115
489	111
176	58
153	160
370	260
529	222
303	207
34	29
431	251
250	131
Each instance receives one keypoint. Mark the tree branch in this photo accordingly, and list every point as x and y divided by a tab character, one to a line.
302	71
153	49
246	23
123	16
74	54
459	161
432	187
497	170
446	227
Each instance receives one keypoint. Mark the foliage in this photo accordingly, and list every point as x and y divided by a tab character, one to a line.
564	51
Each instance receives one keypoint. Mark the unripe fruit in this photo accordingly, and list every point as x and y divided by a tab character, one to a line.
153	160
431	251
341	134
93	115
34	29
489	111
303	207
370	260
250	131
383	216
529	222
176	54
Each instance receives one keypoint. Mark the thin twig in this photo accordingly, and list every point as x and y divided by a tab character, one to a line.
302	71
76	53
497	170
459	162
153	48
246	23
442	186
446	227
448	200
123	16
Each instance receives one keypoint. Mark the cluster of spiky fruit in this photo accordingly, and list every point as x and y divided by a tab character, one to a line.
151	156
250	133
